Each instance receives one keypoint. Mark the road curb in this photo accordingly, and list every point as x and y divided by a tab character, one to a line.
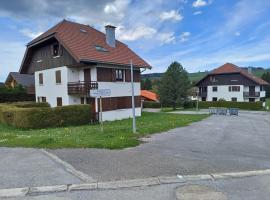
112	185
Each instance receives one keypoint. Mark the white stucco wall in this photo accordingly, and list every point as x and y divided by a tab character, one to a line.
50	89
224	93
120	114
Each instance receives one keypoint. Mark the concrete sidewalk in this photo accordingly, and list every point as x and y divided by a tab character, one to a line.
20	167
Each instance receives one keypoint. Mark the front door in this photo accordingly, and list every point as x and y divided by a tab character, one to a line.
87	75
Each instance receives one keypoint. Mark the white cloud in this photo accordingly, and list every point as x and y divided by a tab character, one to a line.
237	33
166	38
29	33
199	3
171	15
184	36
117	8
138	32
142	31
197	13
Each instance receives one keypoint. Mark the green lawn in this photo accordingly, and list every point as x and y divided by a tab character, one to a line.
116	135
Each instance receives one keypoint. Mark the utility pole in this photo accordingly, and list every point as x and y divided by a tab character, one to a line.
197	103
132	99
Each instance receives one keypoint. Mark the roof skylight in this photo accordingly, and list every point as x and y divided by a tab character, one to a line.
101	48
83	31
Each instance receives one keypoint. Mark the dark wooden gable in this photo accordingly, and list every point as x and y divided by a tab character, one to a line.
41	57
225	79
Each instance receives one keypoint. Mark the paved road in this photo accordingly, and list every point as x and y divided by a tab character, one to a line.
250	188
217	144
20	167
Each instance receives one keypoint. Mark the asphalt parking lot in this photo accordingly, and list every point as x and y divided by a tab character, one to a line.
216	144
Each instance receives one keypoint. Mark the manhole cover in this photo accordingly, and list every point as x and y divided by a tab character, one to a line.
198	192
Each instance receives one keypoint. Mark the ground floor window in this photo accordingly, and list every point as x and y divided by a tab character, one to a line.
251	100
214	99
43	99
203	98
59	101
234	99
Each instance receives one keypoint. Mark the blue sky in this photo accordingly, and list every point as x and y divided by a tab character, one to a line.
200	34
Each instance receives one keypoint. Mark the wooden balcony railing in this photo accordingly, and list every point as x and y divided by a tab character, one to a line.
81	88
251	94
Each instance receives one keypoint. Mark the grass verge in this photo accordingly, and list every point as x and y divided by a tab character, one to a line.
116	134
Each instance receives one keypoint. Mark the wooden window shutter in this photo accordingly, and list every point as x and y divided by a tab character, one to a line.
61	49
128	76
40	77
136	75
113	75
58	76
52	50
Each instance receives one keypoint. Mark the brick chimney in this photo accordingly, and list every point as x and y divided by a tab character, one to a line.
110	35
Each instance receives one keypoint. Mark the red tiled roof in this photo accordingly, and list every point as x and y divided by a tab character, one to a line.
149	95
81	45
231	68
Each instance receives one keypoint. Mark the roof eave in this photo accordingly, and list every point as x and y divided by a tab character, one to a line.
112	63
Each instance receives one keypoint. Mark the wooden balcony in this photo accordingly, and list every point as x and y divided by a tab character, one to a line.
81	88
202	94
251	94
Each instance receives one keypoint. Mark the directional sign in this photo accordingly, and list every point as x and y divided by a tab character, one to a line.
100	93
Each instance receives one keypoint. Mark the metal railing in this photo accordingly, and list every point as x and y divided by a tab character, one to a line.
82	88
251	94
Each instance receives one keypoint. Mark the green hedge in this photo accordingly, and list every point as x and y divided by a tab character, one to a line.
43	117
15	97
30	104
151	104
230	104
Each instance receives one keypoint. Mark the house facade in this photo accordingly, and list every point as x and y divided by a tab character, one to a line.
72	60
231	83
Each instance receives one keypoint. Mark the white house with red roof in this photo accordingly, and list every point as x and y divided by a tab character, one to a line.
72	61
231	83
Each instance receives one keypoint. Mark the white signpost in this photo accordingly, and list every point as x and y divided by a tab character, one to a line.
100	93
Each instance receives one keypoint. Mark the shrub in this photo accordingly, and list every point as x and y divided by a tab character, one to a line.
30	104
73	115
15	97
189	104
151	104
43	117
231	104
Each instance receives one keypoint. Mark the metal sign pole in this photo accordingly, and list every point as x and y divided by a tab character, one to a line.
132	99
100	108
